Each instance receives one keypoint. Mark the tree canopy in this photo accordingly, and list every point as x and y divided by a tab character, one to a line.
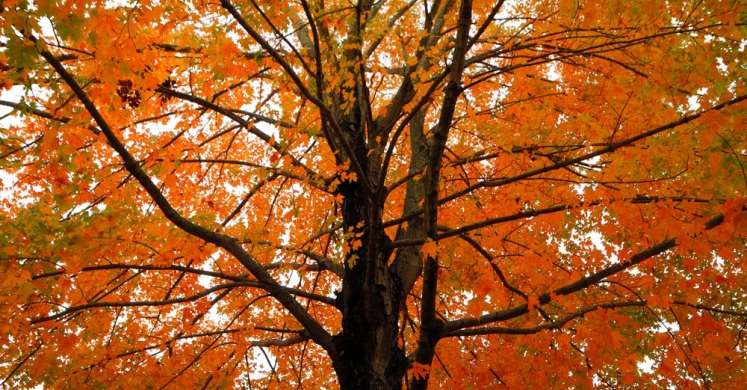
373	194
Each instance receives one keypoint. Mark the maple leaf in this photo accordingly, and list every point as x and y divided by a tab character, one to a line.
429	249
420	371
533	302
67	343
192	191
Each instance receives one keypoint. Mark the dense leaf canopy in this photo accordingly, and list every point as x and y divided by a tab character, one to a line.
326	193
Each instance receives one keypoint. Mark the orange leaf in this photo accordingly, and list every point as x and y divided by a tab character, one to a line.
533	302
420	371
740	222
429	249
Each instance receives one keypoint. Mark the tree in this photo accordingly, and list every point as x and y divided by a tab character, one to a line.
371	195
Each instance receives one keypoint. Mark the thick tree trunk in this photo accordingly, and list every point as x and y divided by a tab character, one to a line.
374	291
369	356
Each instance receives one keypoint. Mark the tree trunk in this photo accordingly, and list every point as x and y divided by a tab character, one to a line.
372	297
374	290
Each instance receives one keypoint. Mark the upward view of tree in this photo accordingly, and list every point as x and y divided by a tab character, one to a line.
373	195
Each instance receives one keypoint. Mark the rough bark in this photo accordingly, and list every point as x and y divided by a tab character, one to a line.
372	296
368	353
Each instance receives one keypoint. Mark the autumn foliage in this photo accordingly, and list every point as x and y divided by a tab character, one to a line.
373	194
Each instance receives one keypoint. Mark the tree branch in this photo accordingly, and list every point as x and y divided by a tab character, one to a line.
317	332
576	286
608	148
236	118
362	177
557	324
